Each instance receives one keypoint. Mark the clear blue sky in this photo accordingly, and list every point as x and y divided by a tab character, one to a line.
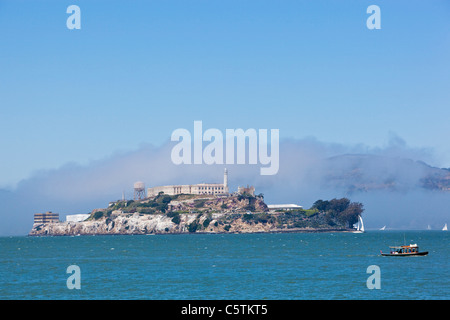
137	70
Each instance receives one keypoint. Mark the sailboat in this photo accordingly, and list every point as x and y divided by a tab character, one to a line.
445	228
383	228
429	227
359	226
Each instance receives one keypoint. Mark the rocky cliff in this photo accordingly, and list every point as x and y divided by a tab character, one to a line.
126	223
136	224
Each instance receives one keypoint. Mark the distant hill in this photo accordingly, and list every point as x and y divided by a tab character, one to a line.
358	172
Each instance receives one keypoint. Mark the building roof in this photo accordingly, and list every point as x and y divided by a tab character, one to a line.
284	206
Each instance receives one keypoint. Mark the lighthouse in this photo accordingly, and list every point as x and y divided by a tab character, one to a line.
225	180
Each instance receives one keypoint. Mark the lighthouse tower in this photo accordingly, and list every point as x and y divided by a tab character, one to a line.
225	180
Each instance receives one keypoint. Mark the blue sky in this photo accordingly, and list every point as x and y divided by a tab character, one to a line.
137	70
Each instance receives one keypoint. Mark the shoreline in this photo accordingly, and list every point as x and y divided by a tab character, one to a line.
293	230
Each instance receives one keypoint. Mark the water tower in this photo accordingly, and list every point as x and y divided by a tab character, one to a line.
139	190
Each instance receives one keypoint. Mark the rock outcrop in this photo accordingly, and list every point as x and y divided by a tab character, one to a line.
126	223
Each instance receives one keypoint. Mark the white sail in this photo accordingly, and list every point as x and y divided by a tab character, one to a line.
429	227
359	226
445	228
362	224
383	228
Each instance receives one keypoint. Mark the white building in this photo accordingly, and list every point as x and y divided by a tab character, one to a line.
77	217
201	188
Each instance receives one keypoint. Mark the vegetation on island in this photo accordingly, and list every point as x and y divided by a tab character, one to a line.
221	213
157	205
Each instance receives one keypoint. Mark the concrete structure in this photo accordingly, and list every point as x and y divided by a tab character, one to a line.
77	217
201	188
275	207
48	217
139	190
248	190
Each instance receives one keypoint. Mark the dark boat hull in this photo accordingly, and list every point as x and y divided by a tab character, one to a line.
405	254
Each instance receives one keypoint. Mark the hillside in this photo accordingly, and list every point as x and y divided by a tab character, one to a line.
356	172
165	214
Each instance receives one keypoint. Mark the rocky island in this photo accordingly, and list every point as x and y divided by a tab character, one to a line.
188	213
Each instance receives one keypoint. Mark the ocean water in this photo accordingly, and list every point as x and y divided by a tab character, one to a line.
225	266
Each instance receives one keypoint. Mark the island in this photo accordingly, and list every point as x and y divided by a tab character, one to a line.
206	213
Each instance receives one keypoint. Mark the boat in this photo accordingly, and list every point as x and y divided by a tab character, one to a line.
429	227
383	228
445	228
359	226
404	251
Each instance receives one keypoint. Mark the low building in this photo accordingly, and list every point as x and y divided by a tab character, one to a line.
248	190
201	188
48	217
77	217
275	207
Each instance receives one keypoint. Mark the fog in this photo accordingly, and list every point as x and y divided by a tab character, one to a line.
386	180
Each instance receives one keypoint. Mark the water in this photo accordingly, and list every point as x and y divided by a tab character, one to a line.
225	266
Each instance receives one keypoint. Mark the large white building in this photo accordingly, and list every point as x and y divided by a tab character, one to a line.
201	188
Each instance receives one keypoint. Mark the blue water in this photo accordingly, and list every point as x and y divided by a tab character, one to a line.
225	266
